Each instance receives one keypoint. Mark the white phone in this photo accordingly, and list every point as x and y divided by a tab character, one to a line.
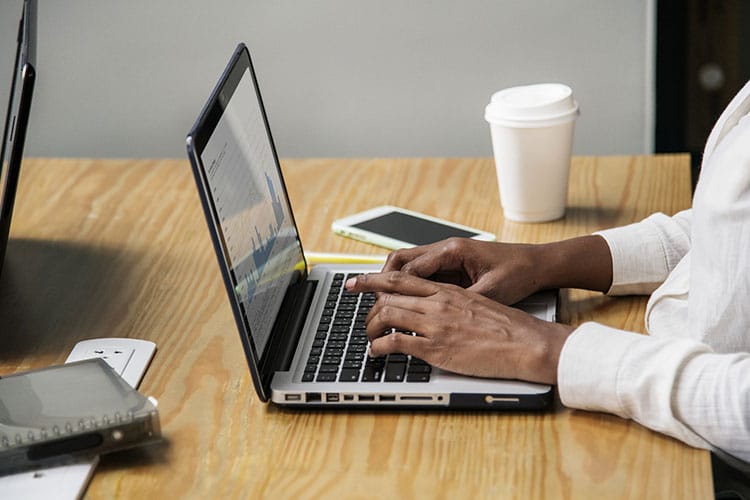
394	228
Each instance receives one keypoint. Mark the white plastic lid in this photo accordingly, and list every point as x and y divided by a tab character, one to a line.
537	105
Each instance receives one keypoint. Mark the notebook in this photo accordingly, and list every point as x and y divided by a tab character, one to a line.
16	119
61	413
302	333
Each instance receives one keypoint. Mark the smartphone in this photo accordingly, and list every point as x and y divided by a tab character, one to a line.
394	228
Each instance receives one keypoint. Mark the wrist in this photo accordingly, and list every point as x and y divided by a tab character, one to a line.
583	262
547	356
544	266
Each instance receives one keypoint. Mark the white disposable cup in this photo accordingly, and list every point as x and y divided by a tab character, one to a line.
532	139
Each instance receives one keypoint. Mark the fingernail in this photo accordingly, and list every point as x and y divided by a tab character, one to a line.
350	283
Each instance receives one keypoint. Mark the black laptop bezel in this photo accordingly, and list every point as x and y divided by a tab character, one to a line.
17	118
240	63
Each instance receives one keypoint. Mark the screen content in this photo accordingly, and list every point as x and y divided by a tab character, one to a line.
259	236
405	227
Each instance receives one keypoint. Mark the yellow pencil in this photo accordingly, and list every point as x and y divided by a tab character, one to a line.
343	258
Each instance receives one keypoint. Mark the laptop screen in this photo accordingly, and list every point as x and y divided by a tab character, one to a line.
249	199
16	118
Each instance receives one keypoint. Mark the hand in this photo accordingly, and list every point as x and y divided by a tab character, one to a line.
509	272
504	272
459	330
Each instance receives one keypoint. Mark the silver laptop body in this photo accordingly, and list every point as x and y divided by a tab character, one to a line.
301	340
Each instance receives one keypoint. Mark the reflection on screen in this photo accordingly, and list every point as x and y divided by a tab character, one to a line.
253	210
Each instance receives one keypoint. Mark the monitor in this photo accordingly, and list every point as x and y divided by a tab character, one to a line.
17	118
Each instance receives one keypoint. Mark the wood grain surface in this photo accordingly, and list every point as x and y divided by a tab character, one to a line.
120	248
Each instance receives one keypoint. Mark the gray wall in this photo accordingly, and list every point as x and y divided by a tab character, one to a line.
339	77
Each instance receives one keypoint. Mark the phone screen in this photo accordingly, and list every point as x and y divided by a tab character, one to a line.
405	227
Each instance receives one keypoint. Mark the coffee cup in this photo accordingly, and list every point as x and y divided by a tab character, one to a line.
532	139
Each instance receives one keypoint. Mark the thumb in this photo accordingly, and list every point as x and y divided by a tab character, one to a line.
428	264
493	288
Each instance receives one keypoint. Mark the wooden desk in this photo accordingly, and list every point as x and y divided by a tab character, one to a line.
120	248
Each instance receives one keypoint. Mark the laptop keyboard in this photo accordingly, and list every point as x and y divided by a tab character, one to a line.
339	352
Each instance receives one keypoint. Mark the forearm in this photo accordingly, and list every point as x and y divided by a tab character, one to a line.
583	262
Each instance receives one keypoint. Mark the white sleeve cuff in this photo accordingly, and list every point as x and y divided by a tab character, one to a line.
633	376
588	367
644	253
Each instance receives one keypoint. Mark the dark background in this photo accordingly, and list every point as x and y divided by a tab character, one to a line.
702	60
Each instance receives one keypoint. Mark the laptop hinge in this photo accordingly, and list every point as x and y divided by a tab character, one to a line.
287	330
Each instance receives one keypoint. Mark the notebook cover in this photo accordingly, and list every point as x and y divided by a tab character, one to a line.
57	414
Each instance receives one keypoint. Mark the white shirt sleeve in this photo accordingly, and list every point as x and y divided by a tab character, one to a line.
690	378
644	253
679	387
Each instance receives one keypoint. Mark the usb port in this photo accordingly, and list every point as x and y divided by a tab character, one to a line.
332	397
388	398
312	397
293	397
348	397
366	398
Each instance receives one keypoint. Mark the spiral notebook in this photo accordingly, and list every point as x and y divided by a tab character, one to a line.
58	414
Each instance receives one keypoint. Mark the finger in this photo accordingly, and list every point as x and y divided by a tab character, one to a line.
410	303
425	265
484	286
436	257
393	282
503	291
399	312
400	343
396	260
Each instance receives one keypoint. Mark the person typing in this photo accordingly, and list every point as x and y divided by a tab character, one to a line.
689	378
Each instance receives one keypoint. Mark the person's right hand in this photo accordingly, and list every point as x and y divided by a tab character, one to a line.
504	272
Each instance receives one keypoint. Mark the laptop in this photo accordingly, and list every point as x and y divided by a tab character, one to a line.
17	119
302	333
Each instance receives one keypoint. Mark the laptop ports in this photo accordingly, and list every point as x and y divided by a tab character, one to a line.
312	397
332	397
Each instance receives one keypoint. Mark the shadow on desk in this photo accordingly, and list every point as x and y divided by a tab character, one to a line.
605	217
579	306
54	293
141	456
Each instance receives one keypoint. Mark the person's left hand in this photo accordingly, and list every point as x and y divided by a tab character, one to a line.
459	330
